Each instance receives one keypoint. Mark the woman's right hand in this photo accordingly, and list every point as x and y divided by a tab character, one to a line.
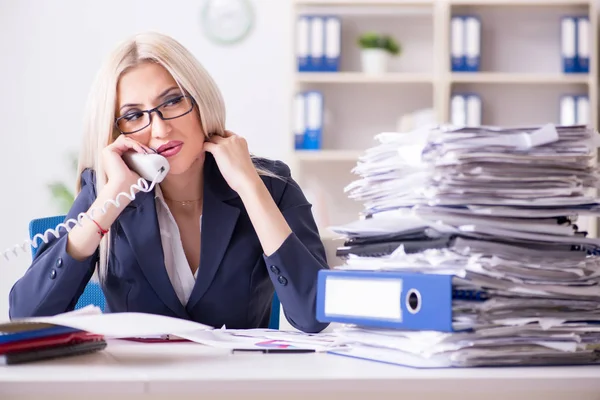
118	174
83	240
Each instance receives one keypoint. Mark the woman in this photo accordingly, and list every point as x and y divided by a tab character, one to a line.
211	241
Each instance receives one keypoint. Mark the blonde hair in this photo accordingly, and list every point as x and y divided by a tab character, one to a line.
99	129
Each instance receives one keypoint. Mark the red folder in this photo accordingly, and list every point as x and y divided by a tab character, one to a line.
48	341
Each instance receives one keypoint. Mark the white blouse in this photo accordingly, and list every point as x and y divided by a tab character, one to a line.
178	268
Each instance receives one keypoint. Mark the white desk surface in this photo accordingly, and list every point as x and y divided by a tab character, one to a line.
129	370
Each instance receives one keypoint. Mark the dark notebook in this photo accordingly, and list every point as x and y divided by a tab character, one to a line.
72	348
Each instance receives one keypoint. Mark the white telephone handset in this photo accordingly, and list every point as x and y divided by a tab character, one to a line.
150	167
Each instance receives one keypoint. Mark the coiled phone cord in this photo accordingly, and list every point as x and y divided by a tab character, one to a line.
142	185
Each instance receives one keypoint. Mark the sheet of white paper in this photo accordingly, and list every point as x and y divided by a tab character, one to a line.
255	339
124	325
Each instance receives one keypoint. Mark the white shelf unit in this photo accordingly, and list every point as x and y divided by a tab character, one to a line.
520	81
512	3
370	3
328	155
519	78
358	77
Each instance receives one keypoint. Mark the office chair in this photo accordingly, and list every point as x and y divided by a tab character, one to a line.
275	309
92	294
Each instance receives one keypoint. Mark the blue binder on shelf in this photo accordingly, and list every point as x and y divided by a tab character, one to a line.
582	109
465	45
568	110
458	109
569	44
333	44
299	120
392	300
457	44
318	43
314	120
574	110
316	54
472	43
466	109
303	43
474	110
583	45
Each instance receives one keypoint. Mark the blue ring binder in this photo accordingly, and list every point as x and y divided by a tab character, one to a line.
409	304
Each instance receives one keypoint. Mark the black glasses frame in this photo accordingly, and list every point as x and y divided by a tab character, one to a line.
157	111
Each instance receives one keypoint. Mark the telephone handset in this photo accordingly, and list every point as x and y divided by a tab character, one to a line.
151	168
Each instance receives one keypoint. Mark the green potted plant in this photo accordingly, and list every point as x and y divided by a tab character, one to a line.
62	194
376	51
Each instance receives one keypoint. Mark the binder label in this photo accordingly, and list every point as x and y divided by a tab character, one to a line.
375	298
386	299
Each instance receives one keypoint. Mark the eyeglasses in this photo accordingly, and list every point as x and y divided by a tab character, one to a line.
136	120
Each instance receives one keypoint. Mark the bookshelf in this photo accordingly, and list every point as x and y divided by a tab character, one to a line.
542	3
357	77
520	79
369	3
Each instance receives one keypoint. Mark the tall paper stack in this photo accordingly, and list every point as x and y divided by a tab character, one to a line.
495	209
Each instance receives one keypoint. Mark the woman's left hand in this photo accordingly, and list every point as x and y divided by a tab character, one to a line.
233	158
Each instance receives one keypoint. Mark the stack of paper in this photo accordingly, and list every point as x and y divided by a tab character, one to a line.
143	326
497	209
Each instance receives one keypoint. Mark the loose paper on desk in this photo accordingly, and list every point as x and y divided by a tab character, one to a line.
263	339
121	325
139	325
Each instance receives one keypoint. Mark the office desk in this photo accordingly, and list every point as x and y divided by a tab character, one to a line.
128	370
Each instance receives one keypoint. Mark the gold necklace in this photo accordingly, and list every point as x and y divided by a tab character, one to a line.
184	202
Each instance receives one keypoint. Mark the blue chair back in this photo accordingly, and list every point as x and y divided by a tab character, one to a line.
275	312
92	294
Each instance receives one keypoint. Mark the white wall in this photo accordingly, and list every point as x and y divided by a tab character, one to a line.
51	49
50	53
